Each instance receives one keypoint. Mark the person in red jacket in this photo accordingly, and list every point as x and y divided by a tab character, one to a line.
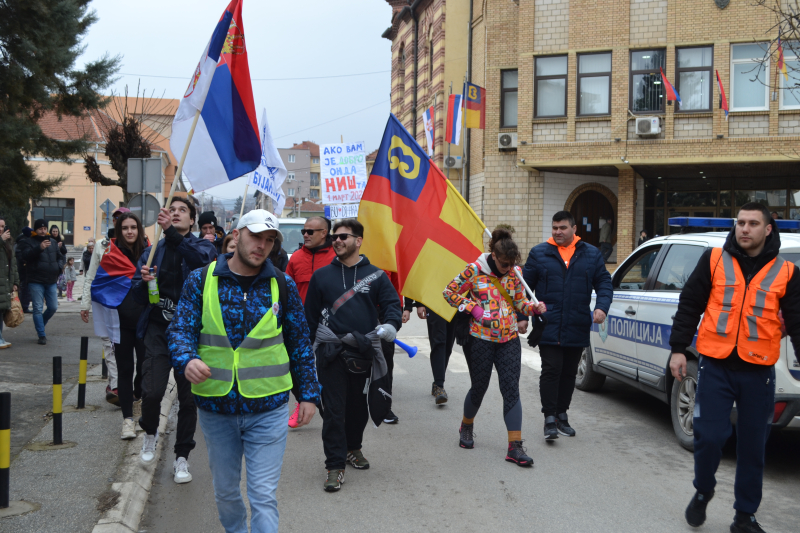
315	253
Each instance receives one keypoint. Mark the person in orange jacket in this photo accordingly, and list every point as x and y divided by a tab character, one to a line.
316	252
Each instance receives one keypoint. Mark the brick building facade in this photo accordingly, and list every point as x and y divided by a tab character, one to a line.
569	78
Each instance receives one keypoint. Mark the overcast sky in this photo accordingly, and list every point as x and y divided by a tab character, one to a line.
285	39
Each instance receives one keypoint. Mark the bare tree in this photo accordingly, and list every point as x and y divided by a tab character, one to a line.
786	37
144	119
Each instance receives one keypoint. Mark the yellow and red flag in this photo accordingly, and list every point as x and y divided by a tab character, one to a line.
415	222
475	104
781	61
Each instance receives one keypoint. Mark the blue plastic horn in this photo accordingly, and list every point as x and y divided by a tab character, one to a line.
411	350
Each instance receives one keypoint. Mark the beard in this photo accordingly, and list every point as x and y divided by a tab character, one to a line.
343	252
245	259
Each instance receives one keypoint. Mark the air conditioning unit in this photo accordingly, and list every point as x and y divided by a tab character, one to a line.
453	161
506	141
648	126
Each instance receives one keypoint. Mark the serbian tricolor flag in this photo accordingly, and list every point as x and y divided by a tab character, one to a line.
427	119
452	131
781	61
672	94
111	285
723	102
475	103
415	222
225	144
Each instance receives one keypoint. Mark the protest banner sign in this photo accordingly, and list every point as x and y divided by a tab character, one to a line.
337	211
343	170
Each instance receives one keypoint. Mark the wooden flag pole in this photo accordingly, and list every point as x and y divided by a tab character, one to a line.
174	183
244	199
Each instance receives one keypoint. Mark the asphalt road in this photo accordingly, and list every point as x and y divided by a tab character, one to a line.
624	471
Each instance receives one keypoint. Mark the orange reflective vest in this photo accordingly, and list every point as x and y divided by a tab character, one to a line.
743	316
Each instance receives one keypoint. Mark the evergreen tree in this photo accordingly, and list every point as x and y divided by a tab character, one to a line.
40	41
238	205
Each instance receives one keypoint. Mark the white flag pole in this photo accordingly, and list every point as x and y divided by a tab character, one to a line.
244	199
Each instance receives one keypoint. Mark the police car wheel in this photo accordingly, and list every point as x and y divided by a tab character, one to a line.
587	379
682	406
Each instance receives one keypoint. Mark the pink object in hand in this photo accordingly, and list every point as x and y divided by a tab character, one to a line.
477	312
293	418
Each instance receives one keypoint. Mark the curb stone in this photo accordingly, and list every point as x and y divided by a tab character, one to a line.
136	478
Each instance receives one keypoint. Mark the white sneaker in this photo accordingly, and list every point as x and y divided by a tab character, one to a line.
181	469
128	429
4	345
148	454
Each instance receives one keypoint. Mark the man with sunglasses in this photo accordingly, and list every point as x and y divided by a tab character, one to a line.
316	252
344	301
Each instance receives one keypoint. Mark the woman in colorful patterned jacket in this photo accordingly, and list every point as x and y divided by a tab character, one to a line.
492	295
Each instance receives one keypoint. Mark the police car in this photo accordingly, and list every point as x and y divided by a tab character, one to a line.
632	344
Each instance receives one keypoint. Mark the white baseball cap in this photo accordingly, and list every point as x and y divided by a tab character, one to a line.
259	220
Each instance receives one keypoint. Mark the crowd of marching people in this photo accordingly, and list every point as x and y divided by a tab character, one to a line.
243	328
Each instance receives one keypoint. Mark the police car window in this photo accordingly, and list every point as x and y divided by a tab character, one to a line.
678	266
292	239
636	274
792	257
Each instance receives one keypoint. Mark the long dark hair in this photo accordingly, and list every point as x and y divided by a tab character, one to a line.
138	245
6	245
504	246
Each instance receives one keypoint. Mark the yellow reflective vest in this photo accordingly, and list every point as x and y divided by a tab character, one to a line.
260	364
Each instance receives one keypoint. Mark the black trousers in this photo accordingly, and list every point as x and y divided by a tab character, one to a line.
557	381
126	384
346	413
441	335
24	295
388	354
155	376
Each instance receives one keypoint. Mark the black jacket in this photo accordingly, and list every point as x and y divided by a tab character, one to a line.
42	266
360	313
695	294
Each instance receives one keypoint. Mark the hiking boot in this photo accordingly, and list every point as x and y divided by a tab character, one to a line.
128	429
467	436
112	395
441	395
550	428
42	340
433	389
293	418
745	523
357	459
696	511
149	444
334	480
516	454
562	424
180	469
390	418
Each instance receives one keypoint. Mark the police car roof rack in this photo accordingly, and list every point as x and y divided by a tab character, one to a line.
710	222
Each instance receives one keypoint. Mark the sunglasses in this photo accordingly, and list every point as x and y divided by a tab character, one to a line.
342	236
309	231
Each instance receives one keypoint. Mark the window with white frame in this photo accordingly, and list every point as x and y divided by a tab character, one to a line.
315	160
290	176
290	192
790	89
291	158
749	75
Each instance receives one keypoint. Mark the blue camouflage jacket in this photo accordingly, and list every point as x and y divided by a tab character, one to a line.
240	316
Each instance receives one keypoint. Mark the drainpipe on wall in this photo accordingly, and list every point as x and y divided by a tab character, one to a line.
469	79
416	59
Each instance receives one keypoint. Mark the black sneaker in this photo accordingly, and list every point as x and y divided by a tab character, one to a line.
745	523
467	436
390	418
42	340
696	511
516	454
550	428
441	395
562	424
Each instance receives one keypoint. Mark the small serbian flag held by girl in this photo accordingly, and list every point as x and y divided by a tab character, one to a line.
112	282
225	144
427	119
723	102
672	94
452	132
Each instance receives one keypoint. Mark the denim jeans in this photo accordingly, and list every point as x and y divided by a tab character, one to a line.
41	294
261	437
1	330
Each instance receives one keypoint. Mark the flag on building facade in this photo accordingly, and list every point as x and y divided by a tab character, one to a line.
430	137
782	61
723	102
475	104
672	94
225	144
415	222
452	131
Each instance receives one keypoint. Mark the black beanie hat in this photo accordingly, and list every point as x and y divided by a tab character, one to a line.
207	218
40	223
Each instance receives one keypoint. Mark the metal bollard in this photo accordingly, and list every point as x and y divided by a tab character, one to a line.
57	400
82	373
5	447
104	373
